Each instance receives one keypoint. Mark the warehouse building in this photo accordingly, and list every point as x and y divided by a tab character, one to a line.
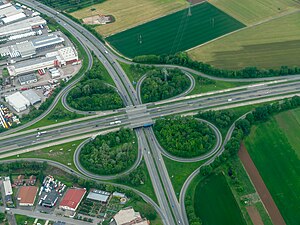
21	27
32	96
100	196
62	57
32	65
72	199
129	216
3	5
49	199
12	18
10	10
29	48
48	41
27	79
18	101
27	195
7	186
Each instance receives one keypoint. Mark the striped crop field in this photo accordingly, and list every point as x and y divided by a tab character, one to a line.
254	11
176	32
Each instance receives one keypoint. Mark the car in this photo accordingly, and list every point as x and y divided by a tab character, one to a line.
106	51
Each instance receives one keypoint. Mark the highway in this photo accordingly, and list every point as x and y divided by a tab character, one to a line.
169	208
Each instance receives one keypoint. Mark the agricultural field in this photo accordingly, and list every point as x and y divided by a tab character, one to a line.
269	45
253	11
176	32
69	5
274	148
214	202
128	13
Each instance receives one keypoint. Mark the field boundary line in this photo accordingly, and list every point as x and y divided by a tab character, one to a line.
260	186
246	27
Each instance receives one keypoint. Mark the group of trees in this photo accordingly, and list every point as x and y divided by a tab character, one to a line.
136	177
109	154
184	136
183	59
60	113
190	211
92	94
222	119
163	84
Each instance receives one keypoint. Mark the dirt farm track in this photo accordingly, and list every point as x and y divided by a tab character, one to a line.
260	186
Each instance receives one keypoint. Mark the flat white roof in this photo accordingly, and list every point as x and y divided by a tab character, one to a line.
126	216
18	100
32	96
7	186
14	17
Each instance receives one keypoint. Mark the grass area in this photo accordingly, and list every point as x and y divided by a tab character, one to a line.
274	143
179	172
69	5
269	45
215	203
251	12
175	32
21	220
47	120
204	85
129	13
133	76
62	153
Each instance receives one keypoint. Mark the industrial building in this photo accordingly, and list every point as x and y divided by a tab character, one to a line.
9	10
100	196
32	96
18	101
59	58
128	216
27	79
72	199
27	195
29	48
49	199
23	26
7	186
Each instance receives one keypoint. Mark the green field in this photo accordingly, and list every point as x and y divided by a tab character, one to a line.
253	11
274	148
69	5
215	203
269	45
175	32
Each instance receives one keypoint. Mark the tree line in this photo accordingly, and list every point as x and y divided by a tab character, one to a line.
182	59
163	84
92	94
109	154
184	136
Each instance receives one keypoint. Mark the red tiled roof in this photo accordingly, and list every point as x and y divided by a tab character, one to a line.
27	194
72	198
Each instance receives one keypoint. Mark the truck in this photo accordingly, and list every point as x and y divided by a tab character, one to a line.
229	100
147	125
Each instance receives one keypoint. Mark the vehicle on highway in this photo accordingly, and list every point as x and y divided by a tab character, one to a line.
230	100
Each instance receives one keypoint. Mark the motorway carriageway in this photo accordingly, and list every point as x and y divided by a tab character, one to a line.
10	143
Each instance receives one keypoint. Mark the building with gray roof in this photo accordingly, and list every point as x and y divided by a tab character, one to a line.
32	97
97	195
27	79
47	41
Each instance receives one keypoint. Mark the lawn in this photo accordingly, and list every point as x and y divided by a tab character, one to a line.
215	203
62	153
21	220
273	147
179	172
175	32
253	11
203	85
269	45
130	13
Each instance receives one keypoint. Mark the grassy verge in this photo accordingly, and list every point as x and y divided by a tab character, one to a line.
179	172
59	153
274	142
132	75
204	85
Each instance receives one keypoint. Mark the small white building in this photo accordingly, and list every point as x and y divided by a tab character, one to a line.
27	79
18	101
68	55
7	186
